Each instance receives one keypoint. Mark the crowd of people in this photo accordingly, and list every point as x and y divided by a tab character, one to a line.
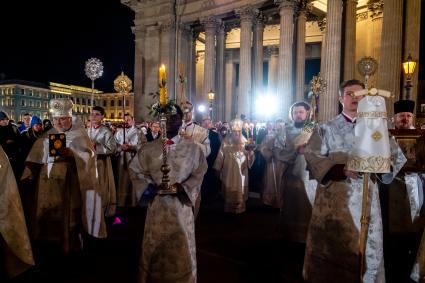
104	170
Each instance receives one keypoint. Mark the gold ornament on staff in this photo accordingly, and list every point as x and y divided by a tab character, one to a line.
317	88
367	67
94	70
164	188
123	85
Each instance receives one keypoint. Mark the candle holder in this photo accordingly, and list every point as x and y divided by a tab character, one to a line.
165	188
164	107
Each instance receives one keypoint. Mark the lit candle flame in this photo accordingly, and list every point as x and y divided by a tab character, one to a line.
162	82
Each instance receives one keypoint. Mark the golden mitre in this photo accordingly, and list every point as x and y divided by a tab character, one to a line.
236	125
61	107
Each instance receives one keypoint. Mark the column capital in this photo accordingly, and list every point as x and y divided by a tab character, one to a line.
167	25
185	30
260	21
222	28
322	24
303	7
272	50
247	14
286	4
375	7
210	22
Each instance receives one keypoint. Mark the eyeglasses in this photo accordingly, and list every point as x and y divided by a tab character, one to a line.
350	93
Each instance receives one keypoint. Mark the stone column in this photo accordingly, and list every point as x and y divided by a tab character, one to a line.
191	74
245	77
139	99
328	102
350	39
392	33
219	103
183	63
376	13
152	62
273	50
322	27
259	55
210	24
300	72
411	42
286	46
230	86
168	51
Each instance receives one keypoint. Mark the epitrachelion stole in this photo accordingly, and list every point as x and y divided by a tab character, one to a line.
371	151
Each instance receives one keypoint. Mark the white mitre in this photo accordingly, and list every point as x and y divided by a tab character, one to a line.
61	107
371	151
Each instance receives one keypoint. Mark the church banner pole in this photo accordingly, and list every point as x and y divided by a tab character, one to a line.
364	220
123	85
94	70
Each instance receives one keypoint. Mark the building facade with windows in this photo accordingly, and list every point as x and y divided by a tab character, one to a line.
18	97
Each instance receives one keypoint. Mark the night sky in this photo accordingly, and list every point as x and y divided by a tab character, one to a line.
46	41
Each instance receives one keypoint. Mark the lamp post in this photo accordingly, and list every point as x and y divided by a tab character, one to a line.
408	68
211	99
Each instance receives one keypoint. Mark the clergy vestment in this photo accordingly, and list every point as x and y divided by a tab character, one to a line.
105	146
169	250
16	248
125	192
199	135
272	190
233	162
332	248
298	191
418	272
67	190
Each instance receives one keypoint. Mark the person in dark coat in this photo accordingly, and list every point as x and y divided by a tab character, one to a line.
30	135
10	140
211	184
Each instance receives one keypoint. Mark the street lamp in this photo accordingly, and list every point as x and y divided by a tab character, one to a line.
211	99
409	68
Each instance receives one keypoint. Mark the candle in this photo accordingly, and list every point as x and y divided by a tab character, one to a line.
162	82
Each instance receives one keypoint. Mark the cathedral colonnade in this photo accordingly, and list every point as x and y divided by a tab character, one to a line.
249	50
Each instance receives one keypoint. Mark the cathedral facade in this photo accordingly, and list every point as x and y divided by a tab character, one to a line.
246	50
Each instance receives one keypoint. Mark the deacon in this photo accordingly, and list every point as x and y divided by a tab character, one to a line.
232	163
105	145
332	246
298	191
15	248
194	132
404	197
68	200
169	250
127	148
269	149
